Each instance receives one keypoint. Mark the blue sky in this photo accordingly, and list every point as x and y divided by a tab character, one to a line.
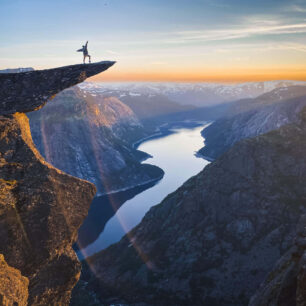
166	38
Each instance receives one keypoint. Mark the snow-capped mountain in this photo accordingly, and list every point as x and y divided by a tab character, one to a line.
198	94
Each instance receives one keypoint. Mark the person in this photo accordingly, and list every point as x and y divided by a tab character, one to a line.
85	52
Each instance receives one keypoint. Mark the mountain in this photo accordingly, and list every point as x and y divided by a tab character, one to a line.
252	117
91	131
153	106
90	137
41	208
151	109
286	283
194	94
214	240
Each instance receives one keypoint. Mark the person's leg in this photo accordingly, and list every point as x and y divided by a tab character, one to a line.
89	58
84	59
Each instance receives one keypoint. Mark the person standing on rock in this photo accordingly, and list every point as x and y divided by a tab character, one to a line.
85	52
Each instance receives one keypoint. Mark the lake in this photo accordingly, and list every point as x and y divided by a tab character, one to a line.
112	216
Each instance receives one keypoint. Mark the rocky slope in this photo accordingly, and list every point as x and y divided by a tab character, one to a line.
41	208
90	137
214	240
286	284
252	117
13	286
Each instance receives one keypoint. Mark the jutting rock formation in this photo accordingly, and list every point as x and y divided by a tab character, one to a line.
29	91
41	208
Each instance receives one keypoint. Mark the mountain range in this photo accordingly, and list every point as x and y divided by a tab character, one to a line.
196	94
215	239
252	117
227	236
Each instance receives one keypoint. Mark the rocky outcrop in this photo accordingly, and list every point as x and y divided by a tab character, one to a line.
90	137
214	240
41	208
13	286
28	91
286	284
252	117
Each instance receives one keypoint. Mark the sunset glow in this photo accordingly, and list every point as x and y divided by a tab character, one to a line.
200	40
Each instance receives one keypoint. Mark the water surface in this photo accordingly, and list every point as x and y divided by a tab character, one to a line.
175	154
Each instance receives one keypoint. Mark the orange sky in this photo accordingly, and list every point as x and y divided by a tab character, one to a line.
173	40
208	76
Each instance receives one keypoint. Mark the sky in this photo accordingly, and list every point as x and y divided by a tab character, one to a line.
160	40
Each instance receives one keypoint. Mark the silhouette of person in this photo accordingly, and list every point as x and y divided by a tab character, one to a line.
85	52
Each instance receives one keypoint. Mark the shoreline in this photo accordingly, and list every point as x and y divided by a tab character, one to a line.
120	198
163	130
131	187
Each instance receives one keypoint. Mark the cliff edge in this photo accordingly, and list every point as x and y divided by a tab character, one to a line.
41	207
29	91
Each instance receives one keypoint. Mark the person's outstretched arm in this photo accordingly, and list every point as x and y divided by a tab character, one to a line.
86	43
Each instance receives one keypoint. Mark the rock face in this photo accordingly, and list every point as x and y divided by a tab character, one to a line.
90	137
214	240
13	286
286	284
41	208
28	91
252	117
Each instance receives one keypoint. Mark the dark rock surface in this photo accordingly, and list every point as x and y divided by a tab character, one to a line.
28	91
252	117
214	240
41	207
286	283
13	286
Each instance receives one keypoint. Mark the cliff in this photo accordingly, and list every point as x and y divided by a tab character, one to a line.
215	239
29	91
90	137
286	283
41	208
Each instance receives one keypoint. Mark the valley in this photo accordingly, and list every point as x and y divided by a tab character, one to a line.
128	208
196	245
153	153
140	149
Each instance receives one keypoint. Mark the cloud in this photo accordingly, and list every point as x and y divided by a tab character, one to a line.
248	29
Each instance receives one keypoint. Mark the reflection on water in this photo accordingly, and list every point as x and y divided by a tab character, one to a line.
101	210
175	154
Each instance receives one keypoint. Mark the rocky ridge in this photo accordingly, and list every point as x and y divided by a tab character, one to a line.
286	283
29	91
41	207
252	117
